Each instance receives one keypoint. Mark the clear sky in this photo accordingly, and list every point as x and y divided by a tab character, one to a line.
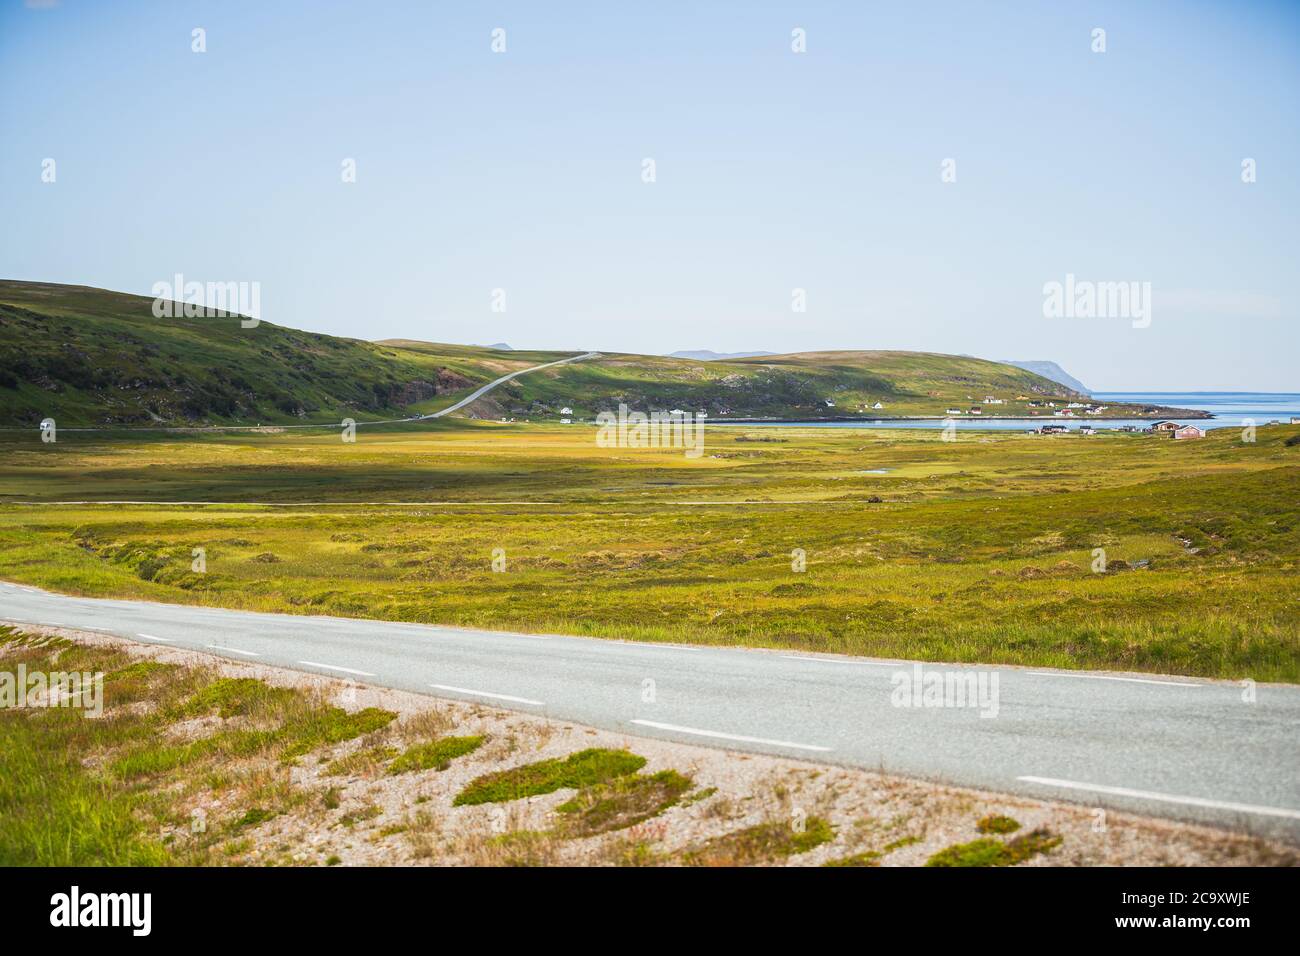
775	170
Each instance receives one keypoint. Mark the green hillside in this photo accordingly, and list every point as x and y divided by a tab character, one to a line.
794	387
92	357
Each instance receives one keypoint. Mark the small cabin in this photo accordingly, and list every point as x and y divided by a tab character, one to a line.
1189	431
1165	426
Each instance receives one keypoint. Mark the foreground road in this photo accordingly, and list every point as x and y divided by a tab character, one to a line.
1171	747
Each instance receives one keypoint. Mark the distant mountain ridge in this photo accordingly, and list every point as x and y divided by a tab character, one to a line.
1051	370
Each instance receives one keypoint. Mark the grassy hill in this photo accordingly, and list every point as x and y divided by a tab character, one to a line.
794	387
92	357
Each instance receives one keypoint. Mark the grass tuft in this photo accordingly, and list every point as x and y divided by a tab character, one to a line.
768	842
582	769
436	754
990	852
621	803
995	823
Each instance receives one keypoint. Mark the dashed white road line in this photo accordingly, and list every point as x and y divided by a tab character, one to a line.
721	736
150	637
1164	797
483	693
234	650
333	667
836	660
659	647
1131	680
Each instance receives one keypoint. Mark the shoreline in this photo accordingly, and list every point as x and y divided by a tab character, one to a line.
1197	416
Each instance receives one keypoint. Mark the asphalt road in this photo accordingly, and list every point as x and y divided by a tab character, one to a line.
1172	747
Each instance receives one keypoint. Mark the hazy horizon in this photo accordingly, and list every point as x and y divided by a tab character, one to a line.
775	171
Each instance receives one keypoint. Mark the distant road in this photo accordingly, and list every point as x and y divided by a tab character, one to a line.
1173	747
505	378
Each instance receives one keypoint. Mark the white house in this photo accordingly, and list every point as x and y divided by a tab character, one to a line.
954	411
566	411
829	403
877	405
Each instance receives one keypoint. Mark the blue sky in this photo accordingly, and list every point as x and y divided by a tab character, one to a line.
522	171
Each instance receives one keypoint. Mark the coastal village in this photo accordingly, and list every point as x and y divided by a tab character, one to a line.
1076	409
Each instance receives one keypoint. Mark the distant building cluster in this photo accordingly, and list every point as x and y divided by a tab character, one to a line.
1175	429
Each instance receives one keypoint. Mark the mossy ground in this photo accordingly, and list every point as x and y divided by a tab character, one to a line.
769	842
622	802
583	769
991	852
435	754
997	823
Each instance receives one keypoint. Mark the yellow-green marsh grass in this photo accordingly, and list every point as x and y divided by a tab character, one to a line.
982	549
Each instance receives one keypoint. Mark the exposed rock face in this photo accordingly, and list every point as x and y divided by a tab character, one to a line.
418	390
449	381
411	392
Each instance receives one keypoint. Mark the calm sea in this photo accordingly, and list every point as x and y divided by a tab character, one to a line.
1230	410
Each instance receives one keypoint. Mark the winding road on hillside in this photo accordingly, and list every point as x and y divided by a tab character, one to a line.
1174	747
474	396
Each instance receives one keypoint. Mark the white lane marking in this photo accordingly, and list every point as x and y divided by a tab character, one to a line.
1164	797
836	660
150	637
1131	680
234	650
659	647
721	736
332	667
483	693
